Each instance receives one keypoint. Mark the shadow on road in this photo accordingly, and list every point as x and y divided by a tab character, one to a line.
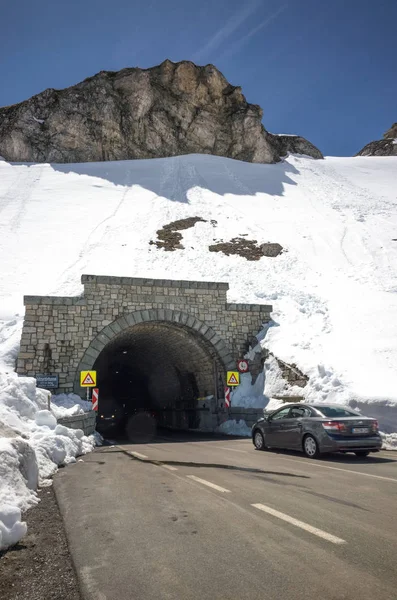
190	464
167	436
341	459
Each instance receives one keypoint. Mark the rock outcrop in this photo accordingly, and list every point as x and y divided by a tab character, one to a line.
385	147
294	144
168	110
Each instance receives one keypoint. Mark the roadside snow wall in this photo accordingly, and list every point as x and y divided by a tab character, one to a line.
32	446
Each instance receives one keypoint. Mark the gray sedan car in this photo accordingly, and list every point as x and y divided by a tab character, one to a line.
316	429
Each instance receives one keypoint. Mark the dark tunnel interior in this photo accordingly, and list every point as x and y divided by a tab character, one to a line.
152	368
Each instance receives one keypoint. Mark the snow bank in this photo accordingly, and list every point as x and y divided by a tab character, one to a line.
32	446
248	395
389	441
12	529
233	427
69	405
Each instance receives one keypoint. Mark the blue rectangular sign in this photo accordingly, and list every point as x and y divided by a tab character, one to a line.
47	382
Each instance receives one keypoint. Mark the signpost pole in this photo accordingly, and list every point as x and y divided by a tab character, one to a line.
215	384
88	394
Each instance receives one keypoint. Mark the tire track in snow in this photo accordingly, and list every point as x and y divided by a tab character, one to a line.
20	193
66	276
313	190
377	207
342	241
349	198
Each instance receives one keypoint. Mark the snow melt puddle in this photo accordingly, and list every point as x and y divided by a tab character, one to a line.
32	446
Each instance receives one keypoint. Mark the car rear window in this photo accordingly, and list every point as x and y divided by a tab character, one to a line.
336	411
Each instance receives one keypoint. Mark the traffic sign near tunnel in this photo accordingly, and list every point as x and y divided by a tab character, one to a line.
243	366
87	378
179	338
233	378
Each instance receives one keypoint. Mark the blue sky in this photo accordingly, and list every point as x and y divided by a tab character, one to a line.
325	70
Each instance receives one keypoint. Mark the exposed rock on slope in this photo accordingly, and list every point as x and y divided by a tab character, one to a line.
385	147
168	110
294	144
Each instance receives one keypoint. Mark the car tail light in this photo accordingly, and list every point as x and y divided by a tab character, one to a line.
375	425
334	426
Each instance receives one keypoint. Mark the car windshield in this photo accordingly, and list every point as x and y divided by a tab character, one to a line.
336	411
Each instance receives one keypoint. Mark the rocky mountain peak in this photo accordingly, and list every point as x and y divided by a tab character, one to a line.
385	147
391	133
166	110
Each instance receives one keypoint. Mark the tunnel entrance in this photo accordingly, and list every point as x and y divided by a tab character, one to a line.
158	369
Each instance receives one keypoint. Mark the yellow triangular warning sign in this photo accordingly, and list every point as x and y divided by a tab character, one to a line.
233	378
88	380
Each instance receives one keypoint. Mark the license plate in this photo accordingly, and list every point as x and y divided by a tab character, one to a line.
360	430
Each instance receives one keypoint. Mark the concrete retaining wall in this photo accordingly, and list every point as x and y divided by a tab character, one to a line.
86	422
205	419
249	415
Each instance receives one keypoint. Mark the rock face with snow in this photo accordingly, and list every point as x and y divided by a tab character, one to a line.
294	144
385	147
167	110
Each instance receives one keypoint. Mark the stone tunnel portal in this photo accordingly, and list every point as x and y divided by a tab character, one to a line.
157	344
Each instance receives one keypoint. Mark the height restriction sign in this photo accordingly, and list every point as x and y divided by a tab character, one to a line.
87	378
233	378
243	366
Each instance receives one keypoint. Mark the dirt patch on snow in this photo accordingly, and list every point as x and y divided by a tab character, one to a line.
39	567
248	249
169	237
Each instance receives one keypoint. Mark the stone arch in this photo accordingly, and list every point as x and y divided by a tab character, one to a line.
196	327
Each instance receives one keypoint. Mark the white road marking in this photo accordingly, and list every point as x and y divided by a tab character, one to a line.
208	483
301	524
231	449
160	464
314	464
137	455
169	467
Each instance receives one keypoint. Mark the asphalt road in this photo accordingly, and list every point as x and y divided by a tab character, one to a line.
185	517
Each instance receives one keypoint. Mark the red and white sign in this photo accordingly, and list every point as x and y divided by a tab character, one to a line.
227	397
243	366
95	398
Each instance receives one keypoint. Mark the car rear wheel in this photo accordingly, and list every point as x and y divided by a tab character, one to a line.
310	447
362	453
259	440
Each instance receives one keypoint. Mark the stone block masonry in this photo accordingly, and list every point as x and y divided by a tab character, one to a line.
63	335
85	422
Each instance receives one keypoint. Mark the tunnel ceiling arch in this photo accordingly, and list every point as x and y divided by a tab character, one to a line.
123	329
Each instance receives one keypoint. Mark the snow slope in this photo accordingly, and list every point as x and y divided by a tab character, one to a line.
334	290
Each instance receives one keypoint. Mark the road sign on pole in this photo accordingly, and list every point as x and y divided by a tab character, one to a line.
95	398
87	378
233	378
243	366
227	397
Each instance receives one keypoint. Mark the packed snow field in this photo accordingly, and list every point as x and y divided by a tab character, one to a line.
333	289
